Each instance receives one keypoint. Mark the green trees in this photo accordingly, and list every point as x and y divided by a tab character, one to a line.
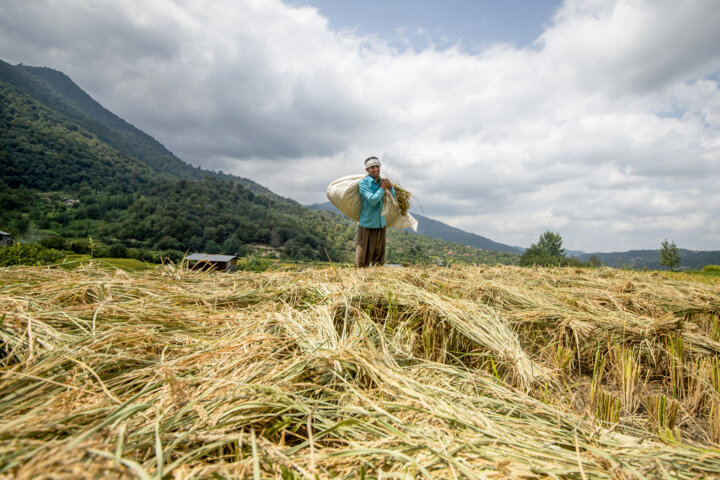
547	251
669	256
29	254
594	262
552	243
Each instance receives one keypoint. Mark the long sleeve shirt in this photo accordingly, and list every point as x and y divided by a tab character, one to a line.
372	203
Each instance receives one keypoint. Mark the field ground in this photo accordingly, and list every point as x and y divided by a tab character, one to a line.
463	372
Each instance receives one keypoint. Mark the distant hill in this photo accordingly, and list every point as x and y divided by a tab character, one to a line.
650	259
436	229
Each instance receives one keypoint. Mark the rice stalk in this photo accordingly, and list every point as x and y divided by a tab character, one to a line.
628	376
714	421
403	198
699	384
663	413
597	376
607	407
562	357
675	365
714	368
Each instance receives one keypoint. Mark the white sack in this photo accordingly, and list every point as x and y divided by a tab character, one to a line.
345	195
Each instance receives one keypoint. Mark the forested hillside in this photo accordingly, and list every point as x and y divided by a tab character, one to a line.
55	91
73	169
58	92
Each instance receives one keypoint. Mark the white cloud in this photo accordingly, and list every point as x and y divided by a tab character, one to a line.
606	130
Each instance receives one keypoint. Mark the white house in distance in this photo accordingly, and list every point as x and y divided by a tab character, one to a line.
203	261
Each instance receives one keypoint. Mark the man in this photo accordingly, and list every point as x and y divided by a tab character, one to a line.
370	243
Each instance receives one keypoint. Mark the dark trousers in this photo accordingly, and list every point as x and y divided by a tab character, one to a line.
370	247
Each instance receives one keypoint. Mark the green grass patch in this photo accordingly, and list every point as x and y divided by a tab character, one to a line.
73	261
702	276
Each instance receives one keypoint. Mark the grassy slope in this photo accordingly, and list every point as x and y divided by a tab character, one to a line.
431	373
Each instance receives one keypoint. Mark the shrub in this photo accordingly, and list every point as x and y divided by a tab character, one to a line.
711	268
79	247
29	254
101	251
255	264
145	255
174	256
118	250
58	243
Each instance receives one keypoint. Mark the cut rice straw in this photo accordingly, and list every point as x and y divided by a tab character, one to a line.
341	373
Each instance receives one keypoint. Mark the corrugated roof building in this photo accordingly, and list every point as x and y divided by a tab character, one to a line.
203	261
5	238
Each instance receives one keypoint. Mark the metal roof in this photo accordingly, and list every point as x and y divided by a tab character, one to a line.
210	258
4	233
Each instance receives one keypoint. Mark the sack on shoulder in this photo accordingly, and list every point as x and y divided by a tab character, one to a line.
345	195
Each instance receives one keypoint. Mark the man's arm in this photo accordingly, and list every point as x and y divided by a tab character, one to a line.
372	198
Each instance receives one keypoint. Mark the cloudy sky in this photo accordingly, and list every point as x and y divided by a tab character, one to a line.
597	119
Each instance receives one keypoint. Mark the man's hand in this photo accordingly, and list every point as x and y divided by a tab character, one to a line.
385	184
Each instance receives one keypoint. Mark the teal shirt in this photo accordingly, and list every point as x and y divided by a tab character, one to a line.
372	203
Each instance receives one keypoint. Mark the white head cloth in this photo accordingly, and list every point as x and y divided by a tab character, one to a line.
371	162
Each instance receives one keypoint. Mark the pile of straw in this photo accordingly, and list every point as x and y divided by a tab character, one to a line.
403	198
469	372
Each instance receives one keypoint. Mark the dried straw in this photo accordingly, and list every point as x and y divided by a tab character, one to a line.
340	373
403	197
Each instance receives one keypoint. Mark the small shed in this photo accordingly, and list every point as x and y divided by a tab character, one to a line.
203	261
5	238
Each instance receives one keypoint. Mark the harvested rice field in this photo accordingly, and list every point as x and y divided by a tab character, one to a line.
455	373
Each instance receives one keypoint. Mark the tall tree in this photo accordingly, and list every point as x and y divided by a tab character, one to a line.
551	242
548	251
669	255
595	262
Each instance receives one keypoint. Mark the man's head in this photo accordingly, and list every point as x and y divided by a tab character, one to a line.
372	167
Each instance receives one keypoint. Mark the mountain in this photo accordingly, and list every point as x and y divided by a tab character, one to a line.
436	229
71	168
57	92
650	259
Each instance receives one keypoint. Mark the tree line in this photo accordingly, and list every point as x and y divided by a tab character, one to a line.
548	252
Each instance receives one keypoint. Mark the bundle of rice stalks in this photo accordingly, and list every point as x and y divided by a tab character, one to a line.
341	373
403	198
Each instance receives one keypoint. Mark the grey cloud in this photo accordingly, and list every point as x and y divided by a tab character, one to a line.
251	109
636	47
76	30
304	125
